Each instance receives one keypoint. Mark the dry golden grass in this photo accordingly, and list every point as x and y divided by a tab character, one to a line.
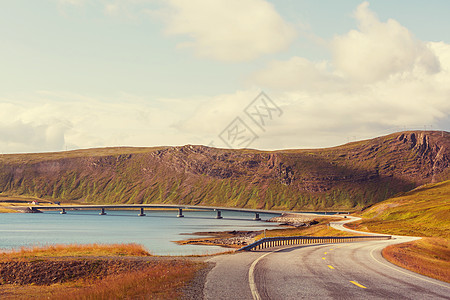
428	256
163	280
77	250
7	210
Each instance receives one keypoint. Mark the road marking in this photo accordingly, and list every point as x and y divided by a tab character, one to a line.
358	284
251	275
396	268
251	278
331	267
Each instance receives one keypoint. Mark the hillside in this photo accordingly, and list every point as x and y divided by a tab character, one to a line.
424	211
349	176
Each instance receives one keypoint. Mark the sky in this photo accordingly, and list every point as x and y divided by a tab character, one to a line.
224	73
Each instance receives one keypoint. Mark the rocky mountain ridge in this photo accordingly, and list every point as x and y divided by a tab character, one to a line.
348	176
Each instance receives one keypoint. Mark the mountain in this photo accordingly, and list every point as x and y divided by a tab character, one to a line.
353	175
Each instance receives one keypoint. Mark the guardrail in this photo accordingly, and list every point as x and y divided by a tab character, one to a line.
299	240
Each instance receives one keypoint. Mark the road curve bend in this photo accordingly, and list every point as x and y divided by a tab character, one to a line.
325	271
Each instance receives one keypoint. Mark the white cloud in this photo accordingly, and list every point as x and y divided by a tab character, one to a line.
28	137
364	92
49	121
224	30
299	73
380	79
378	50
228	30
72	2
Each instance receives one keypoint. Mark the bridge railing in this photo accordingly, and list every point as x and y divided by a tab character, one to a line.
269	242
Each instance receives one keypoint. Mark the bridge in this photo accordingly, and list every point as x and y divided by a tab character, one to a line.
141	207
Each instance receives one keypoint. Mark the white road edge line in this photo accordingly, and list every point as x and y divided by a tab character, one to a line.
251	278
251	274
398	270
340	226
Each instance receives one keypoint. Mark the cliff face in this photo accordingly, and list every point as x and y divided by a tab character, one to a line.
355	174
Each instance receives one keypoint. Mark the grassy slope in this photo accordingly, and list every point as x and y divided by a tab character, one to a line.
424	212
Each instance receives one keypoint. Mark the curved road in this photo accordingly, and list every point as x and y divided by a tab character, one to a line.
331	271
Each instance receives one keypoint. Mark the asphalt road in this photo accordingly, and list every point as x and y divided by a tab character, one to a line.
331	271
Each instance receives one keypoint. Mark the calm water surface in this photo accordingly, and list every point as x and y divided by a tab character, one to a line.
156	231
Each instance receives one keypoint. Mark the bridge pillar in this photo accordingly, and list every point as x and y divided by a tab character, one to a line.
102	213
219	214
180	213
141	214
257	218
63	211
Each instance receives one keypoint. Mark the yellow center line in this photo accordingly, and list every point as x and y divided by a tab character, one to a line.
358	284
331	267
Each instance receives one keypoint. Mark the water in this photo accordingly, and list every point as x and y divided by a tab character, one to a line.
156	231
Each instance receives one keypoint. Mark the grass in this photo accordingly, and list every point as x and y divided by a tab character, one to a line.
159	277
423	212
159	281
77	250
7	210
427	256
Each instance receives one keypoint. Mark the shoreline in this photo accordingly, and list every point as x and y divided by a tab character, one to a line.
226	239
237	239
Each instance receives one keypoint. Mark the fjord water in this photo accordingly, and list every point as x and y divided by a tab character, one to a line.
156	231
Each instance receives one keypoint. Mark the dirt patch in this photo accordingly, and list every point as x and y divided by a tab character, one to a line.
296	220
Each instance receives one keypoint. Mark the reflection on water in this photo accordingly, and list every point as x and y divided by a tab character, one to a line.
156	231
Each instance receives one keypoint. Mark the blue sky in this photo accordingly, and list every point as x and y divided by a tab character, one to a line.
79	73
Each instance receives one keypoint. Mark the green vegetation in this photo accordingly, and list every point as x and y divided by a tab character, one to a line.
424	211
